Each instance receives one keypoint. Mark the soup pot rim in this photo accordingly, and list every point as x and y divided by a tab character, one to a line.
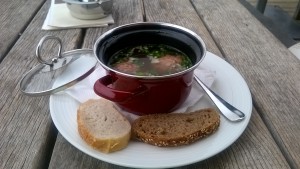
188	31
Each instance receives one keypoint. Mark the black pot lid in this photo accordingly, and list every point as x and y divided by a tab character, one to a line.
59	73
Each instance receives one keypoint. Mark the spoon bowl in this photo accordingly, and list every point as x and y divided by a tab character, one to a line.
227	110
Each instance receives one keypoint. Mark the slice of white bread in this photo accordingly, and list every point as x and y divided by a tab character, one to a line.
102	126
175	129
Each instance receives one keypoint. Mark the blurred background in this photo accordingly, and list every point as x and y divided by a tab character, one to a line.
281	17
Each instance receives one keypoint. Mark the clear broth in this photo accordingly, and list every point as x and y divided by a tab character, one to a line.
150	60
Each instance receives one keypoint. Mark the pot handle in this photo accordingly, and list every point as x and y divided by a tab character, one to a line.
101	88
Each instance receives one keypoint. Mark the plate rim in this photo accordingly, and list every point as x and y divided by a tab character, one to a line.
246	121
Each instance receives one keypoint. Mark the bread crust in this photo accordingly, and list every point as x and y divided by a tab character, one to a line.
104	144
162	129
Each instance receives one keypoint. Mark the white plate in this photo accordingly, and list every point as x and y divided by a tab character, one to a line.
229	84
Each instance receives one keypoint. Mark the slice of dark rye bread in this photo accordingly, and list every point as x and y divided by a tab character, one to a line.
175	129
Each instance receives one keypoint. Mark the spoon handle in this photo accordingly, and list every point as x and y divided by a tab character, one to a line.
227	110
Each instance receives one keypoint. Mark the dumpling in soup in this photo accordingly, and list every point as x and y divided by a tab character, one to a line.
126	67
168	64
150	60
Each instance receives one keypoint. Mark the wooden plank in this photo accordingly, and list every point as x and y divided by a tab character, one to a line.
125	12
26	129
168	11
248	152
64	154
182	14
255	148
271	71
15	16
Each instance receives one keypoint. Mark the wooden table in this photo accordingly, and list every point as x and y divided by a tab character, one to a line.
272	139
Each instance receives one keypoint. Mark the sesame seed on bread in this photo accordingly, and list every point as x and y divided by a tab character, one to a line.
175	129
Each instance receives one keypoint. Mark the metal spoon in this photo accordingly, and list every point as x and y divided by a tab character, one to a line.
227	110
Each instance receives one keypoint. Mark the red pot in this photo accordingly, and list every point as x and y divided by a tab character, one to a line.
147	94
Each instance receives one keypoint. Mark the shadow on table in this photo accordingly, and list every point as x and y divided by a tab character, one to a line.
283	26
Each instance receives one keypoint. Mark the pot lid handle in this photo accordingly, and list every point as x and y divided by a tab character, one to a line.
59	73
39	47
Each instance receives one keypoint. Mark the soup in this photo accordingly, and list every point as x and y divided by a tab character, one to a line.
150	60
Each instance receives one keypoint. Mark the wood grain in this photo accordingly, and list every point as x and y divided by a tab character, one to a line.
168	11
181	13
271	71
26	128
124	12
254	149
15	16
64	154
